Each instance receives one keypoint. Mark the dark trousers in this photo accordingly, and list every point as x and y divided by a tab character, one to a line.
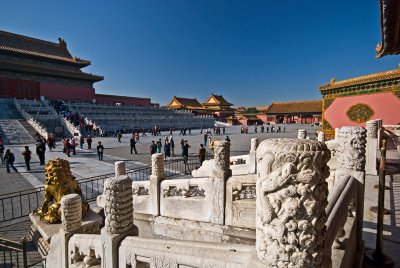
133	148
100	156
89	145
27	164
42	159
8	164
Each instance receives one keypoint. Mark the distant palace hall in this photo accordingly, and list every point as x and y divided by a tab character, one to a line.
215	104
31	68
354	101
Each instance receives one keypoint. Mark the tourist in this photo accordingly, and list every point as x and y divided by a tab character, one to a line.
167	149
172	145
119	136
255	129
133	144
185	152
68	147
81	142
159	146
262	128
205	139
40	151
2	151
100	151
202	154
223	130
50	142
227	139
73	145
284	128
144	133
267	129
153	148
89	142
182	143
27	157
9	158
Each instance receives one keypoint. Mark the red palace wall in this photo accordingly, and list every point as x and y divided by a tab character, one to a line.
65	92
111	99
20	89
386	106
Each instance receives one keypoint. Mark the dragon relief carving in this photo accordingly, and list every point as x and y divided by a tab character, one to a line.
291	200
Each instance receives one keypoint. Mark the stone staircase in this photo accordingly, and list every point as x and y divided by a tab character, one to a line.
15	133
13	127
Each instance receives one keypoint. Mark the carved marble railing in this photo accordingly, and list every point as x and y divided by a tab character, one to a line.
85	251
189	199
347	194
36	125
141	252
240	210
240	165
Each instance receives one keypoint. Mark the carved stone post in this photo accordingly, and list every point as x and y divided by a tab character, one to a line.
372	127
351	162
118	212
71	222
291	201
252	156
321	136
336	132
157	175
301	134
220	173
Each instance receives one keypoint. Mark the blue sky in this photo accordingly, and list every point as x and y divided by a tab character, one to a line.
252	52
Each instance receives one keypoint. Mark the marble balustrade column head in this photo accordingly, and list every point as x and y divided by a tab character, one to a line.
301	134
253	144
291	197
71	212
372	127
157	165
118	206
321	136
351	148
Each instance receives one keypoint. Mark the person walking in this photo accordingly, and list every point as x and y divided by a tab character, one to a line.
202	154
205	139
27	157
159	146
153	148
73	145
100	151
9	158
2	152
167	149
81	142
172	145
185	154
119	136
40	151
133	144
89	142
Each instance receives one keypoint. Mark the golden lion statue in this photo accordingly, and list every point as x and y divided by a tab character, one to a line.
59	182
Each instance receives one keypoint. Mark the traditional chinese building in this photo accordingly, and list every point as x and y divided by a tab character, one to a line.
31	68
189	104
219	106
354	101
304	112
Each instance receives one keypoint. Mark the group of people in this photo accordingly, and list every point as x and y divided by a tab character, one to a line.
245	129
